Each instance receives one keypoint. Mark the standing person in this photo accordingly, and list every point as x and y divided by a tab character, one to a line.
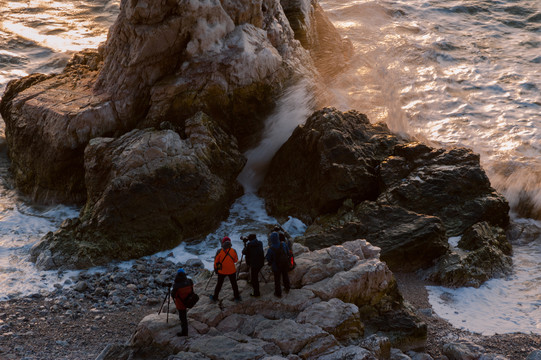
181	289
255	258
224	265
278	259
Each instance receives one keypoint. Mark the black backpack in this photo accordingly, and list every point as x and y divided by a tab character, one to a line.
190	300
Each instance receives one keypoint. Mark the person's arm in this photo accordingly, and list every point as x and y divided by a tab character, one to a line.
216	257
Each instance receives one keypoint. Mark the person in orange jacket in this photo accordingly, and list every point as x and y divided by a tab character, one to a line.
224	265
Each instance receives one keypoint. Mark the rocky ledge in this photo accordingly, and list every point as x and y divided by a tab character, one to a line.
344	304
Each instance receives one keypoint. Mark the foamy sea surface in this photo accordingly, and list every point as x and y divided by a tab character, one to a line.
464	73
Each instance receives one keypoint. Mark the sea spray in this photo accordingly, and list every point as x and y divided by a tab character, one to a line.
293	108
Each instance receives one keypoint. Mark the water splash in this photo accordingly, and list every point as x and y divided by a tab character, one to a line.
293	108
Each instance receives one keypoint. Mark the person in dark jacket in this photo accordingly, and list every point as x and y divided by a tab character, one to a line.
181	289
278	260
224	266
255	258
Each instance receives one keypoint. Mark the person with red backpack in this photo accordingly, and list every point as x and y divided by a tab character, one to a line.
278	258
182	288
224	265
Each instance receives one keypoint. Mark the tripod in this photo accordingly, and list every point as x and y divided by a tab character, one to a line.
168	298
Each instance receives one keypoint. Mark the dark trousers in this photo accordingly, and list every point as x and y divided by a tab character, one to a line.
183	316
232	279
254	279
285	277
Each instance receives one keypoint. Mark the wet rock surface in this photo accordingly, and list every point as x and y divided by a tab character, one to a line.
330	158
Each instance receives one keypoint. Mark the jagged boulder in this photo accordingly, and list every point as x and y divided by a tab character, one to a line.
146	193
449	184
482	234
412	242
483	253
332	157
336	317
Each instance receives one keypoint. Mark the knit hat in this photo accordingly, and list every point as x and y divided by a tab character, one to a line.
181	270
226	239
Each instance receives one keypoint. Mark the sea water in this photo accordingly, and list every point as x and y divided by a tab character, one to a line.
451	73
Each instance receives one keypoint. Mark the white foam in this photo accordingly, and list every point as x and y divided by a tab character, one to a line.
247	216
500	305
292	109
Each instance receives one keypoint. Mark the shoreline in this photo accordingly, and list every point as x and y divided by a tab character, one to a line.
514	346
57	328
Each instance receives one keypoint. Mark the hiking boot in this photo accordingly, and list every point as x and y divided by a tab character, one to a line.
278	295
238	299
212	298
183	333
255	295
287	291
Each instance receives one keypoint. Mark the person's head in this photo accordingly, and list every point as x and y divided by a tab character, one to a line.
181	275
226	242
252	237
276	229
274	240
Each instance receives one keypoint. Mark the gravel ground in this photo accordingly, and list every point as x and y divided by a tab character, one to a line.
38	328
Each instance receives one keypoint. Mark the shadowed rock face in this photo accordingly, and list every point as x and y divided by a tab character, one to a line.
348	178
331	158
147	191
449	184
408	241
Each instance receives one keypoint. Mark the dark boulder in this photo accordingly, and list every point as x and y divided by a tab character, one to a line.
484	253
408	241
449	184
331	158
482	234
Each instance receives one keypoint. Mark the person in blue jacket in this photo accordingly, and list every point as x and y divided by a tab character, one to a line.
278	258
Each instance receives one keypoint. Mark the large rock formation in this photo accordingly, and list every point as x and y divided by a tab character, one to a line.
408	241
147	191
448	183
163	61
340	299
348	179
